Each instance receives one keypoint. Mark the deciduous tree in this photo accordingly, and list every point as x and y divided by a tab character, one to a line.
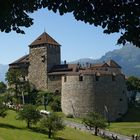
133	84
112	15
30	114
94	121
3	109
2	87
52	123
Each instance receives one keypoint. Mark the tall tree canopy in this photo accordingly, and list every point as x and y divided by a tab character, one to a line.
2	87
112	15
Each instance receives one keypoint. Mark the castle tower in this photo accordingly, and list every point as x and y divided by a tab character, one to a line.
43	55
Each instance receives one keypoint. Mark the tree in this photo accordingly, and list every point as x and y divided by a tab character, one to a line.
112	15
16	80
56	103
3	109
30	114
13	78
94	120
133	84
52	123
2	87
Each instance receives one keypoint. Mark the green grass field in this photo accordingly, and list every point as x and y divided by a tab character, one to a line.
12	129
130	123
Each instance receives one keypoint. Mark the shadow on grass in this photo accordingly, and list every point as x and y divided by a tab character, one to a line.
3	125
42	131
59	138
38	130
132	115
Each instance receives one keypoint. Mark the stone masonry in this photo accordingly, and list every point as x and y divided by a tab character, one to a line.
104	96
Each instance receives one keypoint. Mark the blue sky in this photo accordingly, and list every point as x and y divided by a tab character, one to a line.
78	40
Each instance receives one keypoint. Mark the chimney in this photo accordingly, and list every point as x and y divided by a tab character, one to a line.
65	62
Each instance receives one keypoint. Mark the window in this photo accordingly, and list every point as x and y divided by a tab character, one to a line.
65	78
43	58
80	78
113	78
97	77
53	77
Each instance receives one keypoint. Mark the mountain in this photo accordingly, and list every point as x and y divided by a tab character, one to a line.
128	57
3	70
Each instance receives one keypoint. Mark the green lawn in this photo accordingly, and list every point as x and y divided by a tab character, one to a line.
126	128
12	129
130	123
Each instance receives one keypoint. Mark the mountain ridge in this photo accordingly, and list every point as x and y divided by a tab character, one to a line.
127	57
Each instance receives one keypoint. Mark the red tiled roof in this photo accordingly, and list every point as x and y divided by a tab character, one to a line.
113	64
23	59
44	38
100	65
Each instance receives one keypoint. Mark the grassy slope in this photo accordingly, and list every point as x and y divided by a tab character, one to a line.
11	129
130	123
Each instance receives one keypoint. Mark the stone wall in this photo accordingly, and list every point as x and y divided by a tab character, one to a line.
106	96
38	67
53	56
54	83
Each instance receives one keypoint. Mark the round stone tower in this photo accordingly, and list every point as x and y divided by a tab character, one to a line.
102	93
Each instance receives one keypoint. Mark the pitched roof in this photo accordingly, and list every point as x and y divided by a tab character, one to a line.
44	38
100	65
113	64
23	59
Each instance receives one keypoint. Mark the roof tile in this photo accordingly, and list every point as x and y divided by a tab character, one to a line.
44	38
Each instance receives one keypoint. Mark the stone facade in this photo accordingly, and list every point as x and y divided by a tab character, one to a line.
54	83
37	68
104	95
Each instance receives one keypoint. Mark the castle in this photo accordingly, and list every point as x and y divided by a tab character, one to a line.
84	89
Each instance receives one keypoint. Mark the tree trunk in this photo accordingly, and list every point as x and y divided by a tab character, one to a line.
49	133
96	130
28	124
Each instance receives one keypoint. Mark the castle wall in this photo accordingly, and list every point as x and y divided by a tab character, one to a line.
54	83
104	96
